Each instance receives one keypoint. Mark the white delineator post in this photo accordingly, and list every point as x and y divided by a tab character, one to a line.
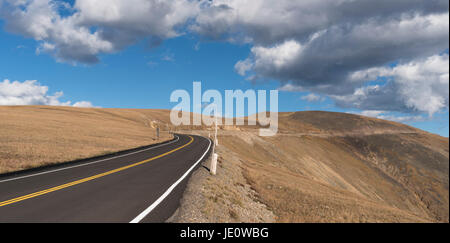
214	164
214	156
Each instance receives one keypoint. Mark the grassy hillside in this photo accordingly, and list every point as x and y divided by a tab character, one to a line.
334	167
321	167
33	136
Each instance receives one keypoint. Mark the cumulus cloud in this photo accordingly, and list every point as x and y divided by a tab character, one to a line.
417	86
324	61
371	55
92	27
276	59
59	36
125	21
30	92
331	47
274	21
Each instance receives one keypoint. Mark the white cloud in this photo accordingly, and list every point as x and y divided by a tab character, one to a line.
274	21
327	47
386	115
424	85
261	22
141	17
242	67
417	86
323	61
372	113
348	33
291	88
276	58
95	26
312	98
83	104
59	36
320	46
30	92
402	119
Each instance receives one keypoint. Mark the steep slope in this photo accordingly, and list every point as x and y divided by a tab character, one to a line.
327	166
335	167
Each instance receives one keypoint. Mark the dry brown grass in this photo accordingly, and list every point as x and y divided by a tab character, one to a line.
226	197
363	170
32	136
321	167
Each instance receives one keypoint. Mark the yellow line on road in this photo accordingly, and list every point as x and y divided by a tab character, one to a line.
39	193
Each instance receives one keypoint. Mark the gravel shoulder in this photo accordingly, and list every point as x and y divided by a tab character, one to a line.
223	198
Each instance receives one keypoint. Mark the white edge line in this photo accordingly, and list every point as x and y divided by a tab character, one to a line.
163	196
90	163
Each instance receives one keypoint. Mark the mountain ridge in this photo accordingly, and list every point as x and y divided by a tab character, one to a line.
320	167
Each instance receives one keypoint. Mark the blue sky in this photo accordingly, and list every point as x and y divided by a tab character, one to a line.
138	76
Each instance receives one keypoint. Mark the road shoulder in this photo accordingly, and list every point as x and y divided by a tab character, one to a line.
226	197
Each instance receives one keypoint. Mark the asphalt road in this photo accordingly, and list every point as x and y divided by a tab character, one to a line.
140	186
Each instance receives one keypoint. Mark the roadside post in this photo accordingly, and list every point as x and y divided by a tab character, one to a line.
213	167
214	164
157	133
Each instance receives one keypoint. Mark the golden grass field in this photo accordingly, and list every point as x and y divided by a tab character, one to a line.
32	136
321	167
355	169
331	167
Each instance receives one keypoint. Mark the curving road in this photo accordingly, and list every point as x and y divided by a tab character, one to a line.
140	186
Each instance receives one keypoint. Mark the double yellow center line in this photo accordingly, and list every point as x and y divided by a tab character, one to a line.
56	188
